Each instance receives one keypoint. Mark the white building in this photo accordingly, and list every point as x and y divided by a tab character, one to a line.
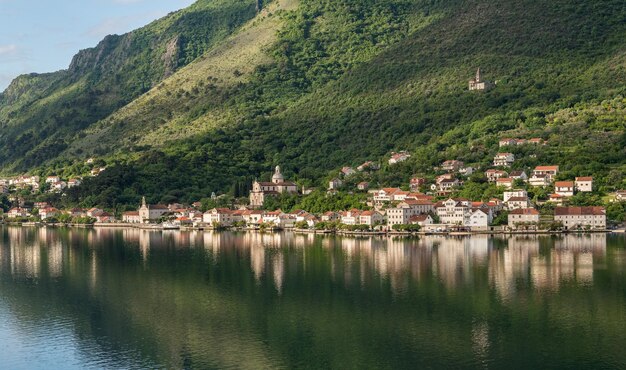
478	84
131	217
549	171
503	159
398	157
523	217
518	175
222	216
52	179
540	180
402	214
347	171
453	212
421	220
564	188
278	186
151	212
494	175
335	184
505	182
584	184
371	218
517	203
515	193
581	217
351	217
73	183
452	165
479	219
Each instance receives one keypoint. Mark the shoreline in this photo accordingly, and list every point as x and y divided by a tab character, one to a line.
155	227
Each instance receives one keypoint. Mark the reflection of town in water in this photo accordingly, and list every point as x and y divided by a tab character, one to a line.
542	262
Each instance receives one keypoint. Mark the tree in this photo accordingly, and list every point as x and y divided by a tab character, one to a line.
302	225
616	212
501	219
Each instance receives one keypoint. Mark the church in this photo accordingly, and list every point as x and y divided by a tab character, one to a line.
478	84
260	190
151	212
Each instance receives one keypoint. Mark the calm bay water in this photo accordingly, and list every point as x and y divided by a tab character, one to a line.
141	299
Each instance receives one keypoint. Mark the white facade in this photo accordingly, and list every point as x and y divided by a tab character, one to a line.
278	186
478	219
503	159
564	188
494	175
150	212
523	218
515	193
453	212
581	217
517	203
584	184
540	180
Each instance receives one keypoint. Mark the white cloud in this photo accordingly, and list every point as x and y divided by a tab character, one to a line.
9	50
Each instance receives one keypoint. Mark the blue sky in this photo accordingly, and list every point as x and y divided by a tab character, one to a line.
43	35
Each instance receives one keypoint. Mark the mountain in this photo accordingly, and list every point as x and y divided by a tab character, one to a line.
40	114
210	97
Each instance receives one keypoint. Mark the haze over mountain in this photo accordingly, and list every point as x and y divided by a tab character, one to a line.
212	96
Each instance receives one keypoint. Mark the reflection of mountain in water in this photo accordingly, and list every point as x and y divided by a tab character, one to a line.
544	261
287	299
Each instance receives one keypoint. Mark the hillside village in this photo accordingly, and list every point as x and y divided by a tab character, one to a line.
431	203
451	196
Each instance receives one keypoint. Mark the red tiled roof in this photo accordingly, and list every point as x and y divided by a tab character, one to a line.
418	202
589	178
391	190
578	211
157	206
564	184
524	211
547	168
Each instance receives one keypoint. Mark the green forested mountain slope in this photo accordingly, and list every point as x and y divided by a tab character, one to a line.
40	114
313	85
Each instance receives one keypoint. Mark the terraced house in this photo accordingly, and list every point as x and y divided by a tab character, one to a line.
581	217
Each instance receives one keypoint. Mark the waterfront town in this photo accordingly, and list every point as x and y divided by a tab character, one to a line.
429	202
420	205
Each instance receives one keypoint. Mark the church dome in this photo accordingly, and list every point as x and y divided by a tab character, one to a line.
278	177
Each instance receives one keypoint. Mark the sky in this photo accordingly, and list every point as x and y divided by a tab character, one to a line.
43	35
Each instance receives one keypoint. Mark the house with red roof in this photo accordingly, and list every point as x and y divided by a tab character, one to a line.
564	188
581	217
584	184
131	217
523	217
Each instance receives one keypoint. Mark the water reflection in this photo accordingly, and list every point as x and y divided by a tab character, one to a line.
173	299
544	261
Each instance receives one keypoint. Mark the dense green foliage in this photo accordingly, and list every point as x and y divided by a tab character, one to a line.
348	81
40	114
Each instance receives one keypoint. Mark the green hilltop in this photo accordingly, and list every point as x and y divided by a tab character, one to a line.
208	98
